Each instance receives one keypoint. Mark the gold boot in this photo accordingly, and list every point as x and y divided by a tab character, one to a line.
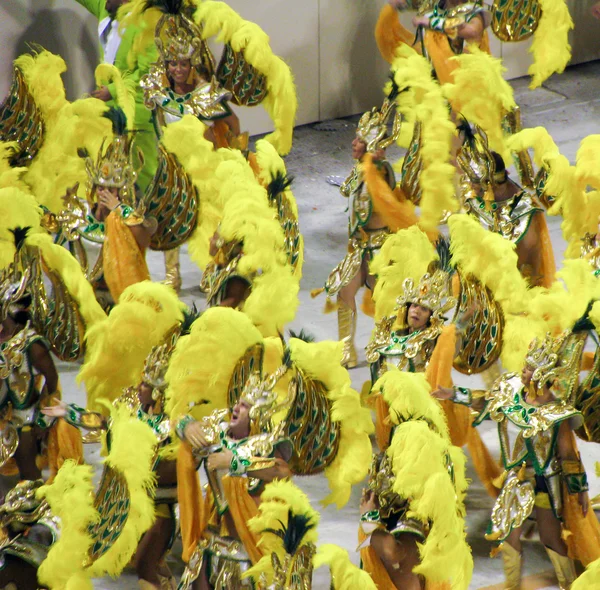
172	276
512	567
346	332
564	568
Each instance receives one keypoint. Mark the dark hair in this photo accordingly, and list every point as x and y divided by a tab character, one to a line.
498	162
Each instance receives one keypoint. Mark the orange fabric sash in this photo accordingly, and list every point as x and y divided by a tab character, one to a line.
389	33
123	261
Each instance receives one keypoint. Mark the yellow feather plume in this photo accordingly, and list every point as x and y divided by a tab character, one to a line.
270	164
71	497
420	98
277	501
321	362
405	254
202	362
125	88
481	94
344	574
397	388
590	579
132	454
145	312
216	18
550	48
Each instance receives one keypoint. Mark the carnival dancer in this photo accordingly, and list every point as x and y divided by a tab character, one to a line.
257	433
35	322
504	207
147	404
447	28
374	211
544	472
123	47
179	84
112	186
400	520
412	333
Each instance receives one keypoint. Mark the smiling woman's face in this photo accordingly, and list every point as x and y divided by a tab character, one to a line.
179	70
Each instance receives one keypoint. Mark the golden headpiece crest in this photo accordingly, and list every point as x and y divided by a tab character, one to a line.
157	362
474	157
13	287
432	292
556	360
178	37
372	127
259	393
114	166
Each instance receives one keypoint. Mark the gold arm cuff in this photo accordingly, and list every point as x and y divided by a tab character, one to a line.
258	463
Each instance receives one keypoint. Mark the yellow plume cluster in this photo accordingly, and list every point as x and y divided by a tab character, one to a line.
405	254
203	361
279	499
420	451
567	184
271	164
590	579
71	499
216	18
145	312
344	574
67	127
481	94
248	218
321	362
131	454
136	14
421	99
125	88
19	209
550	48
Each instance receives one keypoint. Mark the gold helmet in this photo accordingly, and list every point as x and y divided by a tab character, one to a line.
372	126
433	290
474	157
177	36
114	167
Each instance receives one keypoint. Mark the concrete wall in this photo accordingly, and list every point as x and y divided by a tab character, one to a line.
328	44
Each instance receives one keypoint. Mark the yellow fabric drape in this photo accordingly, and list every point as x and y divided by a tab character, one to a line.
243	507
587	361
196	512
383	426
64	442
548	265
391	205
390	33
123	260
439	51
189	496
439	372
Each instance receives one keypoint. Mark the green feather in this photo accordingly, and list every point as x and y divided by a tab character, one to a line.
293	533
279	183
302	335
20	234
118	119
